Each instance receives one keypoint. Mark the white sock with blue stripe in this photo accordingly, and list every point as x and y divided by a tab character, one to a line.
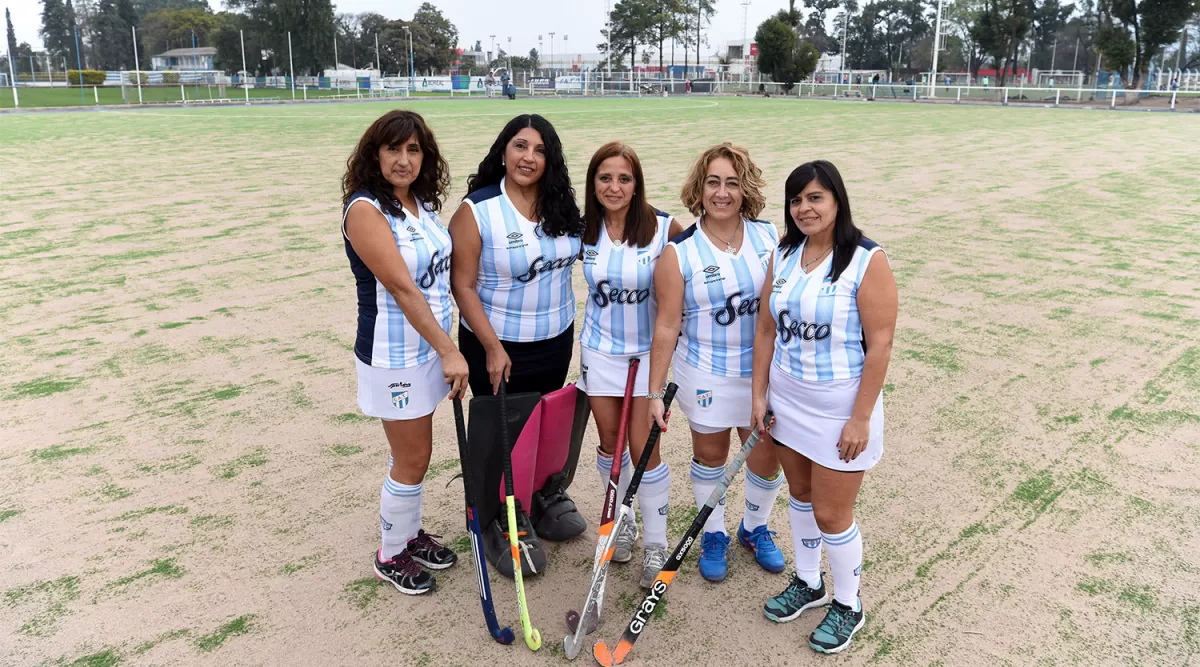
760	498
704	482
399	515
652	497
604	467
806	539
845	550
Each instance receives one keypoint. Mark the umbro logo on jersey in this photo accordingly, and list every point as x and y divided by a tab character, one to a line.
780	282
712	274
515	235
589	252
411	229
704	397
710	269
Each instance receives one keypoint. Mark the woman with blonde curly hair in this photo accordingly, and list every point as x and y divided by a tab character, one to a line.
708	281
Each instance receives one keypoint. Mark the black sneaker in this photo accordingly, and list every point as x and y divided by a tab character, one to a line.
834	633
403	572
554	513
794	599
498	550
425	550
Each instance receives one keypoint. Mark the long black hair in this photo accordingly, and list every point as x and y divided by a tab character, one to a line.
845	235
555	208
363	172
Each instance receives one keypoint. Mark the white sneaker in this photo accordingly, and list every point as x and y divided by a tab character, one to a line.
626	540
652	562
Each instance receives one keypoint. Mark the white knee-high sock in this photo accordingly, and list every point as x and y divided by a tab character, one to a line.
760	498
844	551
806	539
604	467
652	496
704	481
399	515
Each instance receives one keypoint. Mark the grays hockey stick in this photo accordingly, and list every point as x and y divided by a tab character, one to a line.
645	610
502	635
595	597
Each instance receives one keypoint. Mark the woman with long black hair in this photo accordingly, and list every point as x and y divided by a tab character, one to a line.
399	252
516	240
821	351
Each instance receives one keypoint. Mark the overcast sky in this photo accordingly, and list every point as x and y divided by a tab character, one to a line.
523	20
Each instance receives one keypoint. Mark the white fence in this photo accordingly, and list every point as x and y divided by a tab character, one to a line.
1188	100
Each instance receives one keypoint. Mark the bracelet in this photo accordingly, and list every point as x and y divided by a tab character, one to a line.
659	395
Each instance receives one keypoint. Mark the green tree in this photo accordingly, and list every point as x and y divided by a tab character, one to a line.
112	45
11	49
782	54
146	7
167	29
1132	33
434	39
56	31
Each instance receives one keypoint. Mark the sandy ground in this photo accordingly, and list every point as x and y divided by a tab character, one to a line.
185	478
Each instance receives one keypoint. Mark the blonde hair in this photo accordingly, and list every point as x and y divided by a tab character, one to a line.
749	176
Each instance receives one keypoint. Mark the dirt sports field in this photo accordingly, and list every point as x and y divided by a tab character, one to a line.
185	480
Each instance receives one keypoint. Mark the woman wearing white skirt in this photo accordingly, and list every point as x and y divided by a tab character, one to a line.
399	253
821	352
622	241
708	283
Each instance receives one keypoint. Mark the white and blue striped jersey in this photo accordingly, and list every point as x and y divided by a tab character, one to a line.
620	312
721	292
524	275
385	338
819	333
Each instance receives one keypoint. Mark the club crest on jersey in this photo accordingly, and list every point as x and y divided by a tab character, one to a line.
644	258
400	399
704	397
813	543
765	258
828	287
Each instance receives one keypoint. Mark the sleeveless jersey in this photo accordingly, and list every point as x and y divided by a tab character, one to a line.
620	311
818	331
385	338
720	298
524	275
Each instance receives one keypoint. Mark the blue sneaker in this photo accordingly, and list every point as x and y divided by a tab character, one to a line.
761	541
714	552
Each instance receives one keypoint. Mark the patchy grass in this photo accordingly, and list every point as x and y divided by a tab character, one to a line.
345	450
60	451
159	567
210	522
9	513
303	563
137	514
52	596
46	386
109	657
253	459
362	593
217	638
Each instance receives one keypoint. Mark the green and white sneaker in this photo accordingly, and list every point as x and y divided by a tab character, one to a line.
834	633
797	597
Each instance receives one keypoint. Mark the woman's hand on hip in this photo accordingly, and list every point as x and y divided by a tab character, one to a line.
855	435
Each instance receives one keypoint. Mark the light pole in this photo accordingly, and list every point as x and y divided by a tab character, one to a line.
937	34
412	68
510	72
845	30
565	54
137	67
745	45
242	39
540	49
492	53
551	55
608	41
378	66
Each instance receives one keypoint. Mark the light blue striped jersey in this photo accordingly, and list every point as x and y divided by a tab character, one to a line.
819	333
524	275
620	312
385	338
721	292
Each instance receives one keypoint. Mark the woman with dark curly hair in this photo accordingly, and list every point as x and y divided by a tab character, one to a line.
399	252
516	239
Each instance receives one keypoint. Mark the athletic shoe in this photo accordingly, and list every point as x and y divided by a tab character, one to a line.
834	633
626	540
652	562
554	513
425	550
498	550
714	555
794	599
403	572
761	542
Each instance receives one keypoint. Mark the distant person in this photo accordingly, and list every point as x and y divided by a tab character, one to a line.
399	253
707	283
821	352
623	238
516	240
985	83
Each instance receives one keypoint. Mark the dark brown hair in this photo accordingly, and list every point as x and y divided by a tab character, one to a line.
641	220
363	173
845	234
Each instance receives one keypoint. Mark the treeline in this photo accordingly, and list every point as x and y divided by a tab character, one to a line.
104	29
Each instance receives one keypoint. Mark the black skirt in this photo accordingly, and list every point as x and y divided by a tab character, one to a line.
539	366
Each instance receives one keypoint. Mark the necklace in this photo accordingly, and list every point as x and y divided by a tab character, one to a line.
615	239
728	244
810	262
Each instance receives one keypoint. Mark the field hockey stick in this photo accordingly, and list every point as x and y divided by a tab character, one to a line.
645	610
608	510
502	635
595	598
533	639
